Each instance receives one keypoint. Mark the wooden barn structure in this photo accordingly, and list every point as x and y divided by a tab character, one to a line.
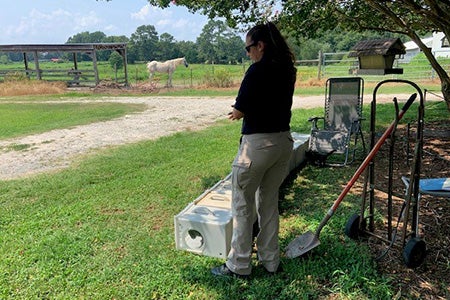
73	76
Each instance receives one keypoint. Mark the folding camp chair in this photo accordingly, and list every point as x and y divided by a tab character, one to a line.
341	122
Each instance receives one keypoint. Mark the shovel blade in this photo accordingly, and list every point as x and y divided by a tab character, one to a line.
302	244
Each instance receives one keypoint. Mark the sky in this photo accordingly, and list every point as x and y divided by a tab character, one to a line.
55	21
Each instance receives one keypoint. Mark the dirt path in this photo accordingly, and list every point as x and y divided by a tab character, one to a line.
56	149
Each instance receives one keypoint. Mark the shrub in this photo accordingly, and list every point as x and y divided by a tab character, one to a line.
220	79
15	76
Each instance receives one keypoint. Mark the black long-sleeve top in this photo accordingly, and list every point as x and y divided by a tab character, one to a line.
265	97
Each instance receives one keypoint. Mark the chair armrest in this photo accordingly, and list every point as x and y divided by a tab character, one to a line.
357	122
359	119
314	121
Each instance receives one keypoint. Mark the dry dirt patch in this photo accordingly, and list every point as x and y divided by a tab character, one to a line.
430	280
56	149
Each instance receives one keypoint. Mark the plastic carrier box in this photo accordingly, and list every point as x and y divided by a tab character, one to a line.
205	225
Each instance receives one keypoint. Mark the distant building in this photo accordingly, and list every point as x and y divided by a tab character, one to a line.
440	47
438	43
412	49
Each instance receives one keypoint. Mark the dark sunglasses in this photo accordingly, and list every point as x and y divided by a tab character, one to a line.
247	48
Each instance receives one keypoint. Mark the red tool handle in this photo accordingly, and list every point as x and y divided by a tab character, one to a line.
372	153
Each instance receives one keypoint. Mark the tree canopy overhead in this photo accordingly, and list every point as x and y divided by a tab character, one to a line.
310	18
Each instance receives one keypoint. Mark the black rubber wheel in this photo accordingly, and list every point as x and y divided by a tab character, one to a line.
414	252
352	229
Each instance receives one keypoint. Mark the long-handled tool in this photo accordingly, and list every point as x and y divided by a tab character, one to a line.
309	240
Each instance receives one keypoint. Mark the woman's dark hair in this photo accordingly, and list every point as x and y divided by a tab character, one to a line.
276	47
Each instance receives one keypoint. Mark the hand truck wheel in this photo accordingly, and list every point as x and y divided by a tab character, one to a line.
414	252
352	229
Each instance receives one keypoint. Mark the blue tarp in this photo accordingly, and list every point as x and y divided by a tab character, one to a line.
435	184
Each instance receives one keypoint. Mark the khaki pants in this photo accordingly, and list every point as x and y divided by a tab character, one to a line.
258	170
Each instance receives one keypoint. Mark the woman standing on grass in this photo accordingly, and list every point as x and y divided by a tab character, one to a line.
264	102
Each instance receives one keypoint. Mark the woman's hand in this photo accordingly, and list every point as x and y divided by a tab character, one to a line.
235	114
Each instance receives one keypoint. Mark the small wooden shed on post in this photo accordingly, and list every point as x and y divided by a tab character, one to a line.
376	57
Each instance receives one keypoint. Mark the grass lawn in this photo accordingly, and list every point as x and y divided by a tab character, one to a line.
29	118
103	229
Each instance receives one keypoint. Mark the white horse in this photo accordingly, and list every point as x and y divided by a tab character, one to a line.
168	67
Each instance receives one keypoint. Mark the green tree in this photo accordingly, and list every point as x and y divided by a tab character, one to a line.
306	49
188	49
207	41
344	40
116	61
116	39
167	47
105	55
87	37
233	49
311	18
4	59
219	44
144	44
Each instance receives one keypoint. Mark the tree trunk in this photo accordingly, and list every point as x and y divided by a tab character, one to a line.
445	87
443	76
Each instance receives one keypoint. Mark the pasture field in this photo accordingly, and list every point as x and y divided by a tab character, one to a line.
193	76
201	76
